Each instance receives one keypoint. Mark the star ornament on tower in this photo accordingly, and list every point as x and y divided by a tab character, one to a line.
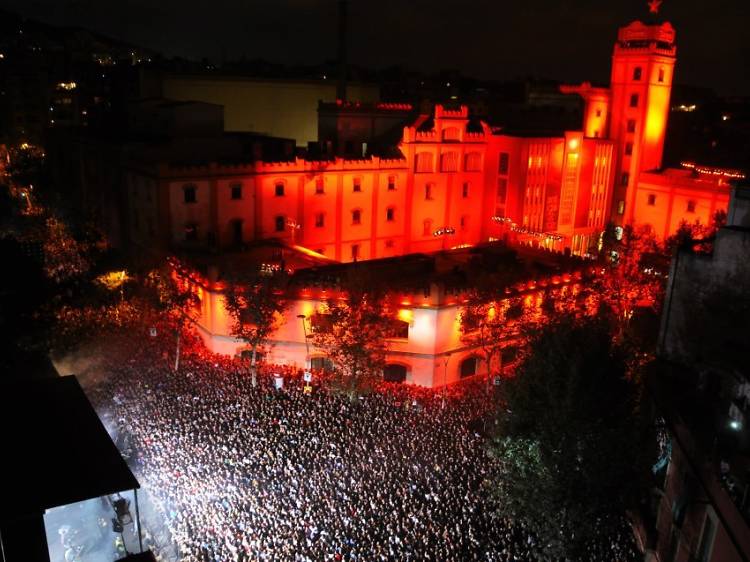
653	6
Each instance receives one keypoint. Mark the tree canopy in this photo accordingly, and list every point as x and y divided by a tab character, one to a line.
572	452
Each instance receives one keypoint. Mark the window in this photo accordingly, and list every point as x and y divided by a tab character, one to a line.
468	367
691	206
356	216
237	232
391	183
628	148
633	100
598	112
502	188
427	227
621	207
320	220
423	162
355	251
357	185
320	187
465	190
631	125
390	214
189	193
637	72
596	134
464	222
651	200
390	244
191	232
473	162
503	164
280	221
279	189
428	188
625	178
398	329
395	373
449	162
661	75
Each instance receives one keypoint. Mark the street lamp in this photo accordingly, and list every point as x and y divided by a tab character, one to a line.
445	375
308	359
444	232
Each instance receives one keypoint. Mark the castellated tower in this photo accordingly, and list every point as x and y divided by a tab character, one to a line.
640	87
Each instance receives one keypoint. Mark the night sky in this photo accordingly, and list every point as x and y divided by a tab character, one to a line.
494	39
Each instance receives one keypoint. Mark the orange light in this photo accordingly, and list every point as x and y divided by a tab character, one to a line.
573	144
406	315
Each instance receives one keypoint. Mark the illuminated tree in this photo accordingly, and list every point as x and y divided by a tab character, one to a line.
255	301
65	258
572	454
354	333
633	276
169	292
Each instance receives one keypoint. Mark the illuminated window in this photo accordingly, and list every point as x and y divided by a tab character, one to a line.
449	162
651	200
236	191
502	188
356	185
428	188
279	189
691	206
465	190
320	220
473	162
356	216
427	227
189	193
355	251
633	100
661	75
503	163
423	162
637	72
390	214
628	148
319	186
621	207
391	183
625	178
279	223
631	125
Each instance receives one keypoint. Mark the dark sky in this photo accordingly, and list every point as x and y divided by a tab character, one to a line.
497	39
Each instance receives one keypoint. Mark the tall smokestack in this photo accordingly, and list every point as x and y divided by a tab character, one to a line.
341	89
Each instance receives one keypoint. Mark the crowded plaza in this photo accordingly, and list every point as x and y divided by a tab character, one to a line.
243	470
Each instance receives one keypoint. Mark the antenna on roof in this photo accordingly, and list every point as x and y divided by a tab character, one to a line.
341	88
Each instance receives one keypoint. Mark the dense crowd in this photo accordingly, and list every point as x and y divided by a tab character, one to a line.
246	472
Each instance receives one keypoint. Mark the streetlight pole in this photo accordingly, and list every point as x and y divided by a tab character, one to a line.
308	359
445	376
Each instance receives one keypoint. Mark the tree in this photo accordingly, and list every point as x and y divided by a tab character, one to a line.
255	300
632	277
354	334
169	291
572	453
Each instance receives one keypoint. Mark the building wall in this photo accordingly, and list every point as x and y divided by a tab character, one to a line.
279	108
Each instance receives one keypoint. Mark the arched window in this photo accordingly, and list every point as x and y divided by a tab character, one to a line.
357	216
423	162
394	373
391	183
390	214
469	367
637	73
473	162
449	162
451	134
278	189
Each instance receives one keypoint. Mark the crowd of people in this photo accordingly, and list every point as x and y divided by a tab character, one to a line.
249	472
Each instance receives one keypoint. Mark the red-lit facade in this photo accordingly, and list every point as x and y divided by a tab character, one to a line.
454	181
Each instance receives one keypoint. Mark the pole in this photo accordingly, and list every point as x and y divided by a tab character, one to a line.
138	520
445	376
